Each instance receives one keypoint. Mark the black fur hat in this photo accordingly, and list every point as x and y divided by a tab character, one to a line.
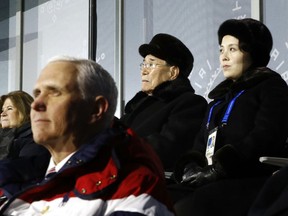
170	49
254	37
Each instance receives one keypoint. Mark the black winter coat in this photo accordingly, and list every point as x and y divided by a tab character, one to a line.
272	200
257	125
18	142
169	120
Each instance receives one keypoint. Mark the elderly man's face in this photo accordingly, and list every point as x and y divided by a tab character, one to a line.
152	77
56	109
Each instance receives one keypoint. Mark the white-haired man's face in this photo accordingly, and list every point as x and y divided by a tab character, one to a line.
55	112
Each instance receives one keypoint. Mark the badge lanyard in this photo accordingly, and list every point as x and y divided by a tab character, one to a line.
213	133
227	112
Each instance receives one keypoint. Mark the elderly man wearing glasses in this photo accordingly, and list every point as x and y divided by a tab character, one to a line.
166	111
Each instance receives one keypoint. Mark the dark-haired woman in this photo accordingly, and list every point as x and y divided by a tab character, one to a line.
246	119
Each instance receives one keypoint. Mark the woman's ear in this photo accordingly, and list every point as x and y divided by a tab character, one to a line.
99	109
174	72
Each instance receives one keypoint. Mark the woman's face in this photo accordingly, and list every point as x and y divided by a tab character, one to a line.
234	62
10	115
157	73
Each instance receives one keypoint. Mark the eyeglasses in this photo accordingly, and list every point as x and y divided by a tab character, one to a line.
150	65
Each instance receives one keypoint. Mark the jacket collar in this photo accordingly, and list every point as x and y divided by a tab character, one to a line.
90	150
171	89
249	79
164	92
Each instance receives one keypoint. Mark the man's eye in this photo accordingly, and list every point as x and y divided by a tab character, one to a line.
152	65
36	93
55	93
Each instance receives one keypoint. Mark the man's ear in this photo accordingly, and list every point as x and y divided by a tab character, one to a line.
99	109
174	70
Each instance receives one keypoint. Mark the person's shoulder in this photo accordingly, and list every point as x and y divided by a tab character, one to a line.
271	75
191	97
266	80
275	80
280	79
136	149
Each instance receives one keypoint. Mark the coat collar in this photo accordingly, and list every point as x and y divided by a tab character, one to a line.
91	149
171	89
249	79
164	92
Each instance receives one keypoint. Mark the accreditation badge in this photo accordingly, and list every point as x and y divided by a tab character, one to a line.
211	145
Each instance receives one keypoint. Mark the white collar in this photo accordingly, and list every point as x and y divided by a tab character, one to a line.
59	165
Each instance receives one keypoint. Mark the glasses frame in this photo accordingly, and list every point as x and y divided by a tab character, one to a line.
143	65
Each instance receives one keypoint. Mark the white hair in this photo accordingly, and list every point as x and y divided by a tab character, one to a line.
93	80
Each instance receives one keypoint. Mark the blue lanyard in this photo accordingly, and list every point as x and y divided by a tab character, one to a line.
210	113
227	112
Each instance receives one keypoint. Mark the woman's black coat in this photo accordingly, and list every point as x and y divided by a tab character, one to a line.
257	126
169	120
18	142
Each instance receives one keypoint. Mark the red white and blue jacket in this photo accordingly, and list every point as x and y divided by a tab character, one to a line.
114	174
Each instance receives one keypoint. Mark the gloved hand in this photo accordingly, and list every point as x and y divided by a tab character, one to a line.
189	171
203	176
185	171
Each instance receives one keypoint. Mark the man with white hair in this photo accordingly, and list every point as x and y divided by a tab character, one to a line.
97	166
